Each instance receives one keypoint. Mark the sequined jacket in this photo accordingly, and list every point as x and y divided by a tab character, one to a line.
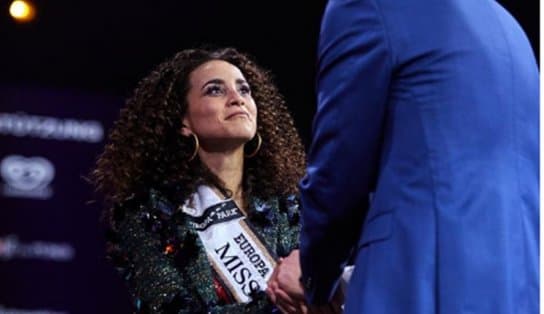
162	260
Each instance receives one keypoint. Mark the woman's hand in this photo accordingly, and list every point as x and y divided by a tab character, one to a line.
286	291
284	288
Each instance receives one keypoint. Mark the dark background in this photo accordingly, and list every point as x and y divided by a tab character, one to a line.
83	49
107	46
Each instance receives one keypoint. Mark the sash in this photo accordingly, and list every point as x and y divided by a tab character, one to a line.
244	263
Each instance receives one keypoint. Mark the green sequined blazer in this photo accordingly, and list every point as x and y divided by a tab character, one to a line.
162	260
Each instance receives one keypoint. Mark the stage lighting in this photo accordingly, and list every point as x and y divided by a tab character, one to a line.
22	11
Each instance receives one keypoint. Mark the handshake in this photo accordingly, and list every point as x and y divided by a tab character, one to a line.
286	291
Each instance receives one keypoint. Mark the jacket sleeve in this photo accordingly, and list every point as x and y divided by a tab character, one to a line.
153	280
354	73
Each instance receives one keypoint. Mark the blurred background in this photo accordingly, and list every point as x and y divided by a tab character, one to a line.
65	69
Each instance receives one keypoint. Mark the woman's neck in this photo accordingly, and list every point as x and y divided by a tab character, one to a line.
229	168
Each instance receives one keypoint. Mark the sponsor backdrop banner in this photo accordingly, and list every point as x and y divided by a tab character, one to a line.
51	240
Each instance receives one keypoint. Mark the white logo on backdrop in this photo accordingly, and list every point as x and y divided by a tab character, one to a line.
12	248
22	125
27	177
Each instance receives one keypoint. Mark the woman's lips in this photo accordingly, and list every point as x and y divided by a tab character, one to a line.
238	114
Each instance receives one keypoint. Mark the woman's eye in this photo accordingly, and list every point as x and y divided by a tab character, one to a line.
245	90
214	90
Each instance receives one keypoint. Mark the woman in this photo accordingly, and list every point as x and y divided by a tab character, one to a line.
200	175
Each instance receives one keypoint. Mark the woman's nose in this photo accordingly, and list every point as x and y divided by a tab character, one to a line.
236	99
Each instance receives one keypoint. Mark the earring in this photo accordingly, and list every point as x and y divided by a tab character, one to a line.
256	150
197	146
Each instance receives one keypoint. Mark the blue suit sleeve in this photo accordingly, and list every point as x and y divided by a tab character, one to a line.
355	66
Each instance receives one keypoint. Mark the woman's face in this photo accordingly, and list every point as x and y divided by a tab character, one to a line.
221	110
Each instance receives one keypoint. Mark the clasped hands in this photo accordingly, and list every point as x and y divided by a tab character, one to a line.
286	291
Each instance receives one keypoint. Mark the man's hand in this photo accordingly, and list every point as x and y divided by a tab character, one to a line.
286	291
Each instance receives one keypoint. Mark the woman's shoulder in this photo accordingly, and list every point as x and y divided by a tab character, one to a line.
147	197
151	200
289	205
146	217
289	202
281	203
274	212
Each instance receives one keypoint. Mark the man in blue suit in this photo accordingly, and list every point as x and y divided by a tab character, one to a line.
431	107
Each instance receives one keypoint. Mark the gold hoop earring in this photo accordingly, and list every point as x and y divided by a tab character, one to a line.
256	150
197	146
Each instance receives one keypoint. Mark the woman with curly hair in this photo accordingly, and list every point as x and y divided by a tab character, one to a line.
200	179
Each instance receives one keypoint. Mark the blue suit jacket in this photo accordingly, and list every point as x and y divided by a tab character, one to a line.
433	106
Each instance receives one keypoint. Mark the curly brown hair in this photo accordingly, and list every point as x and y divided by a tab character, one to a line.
146	150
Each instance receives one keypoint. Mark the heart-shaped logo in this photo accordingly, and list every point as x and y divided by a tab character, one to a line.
27	174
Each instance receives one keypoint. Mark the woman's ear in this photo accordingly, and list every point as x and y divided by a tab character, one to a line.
185	131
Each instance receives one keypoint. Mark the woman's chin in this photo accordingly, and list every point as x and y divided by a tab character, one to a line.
243	134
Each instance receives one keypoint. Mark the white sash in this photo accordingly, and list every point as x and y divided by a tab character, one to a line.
235	252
